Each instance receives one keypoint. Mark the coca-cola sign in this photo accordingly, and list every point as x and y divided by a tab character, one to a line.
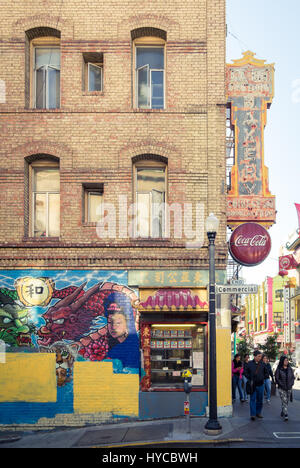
250	244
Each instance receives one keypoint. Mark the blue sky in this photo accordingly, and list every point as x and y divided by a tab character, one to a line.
271	29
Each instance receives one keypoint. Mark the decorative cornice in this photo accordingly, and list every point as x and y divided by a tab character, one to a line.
249	59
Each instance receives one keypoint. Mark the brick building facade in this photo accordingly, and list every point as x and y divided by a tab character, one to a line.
103	107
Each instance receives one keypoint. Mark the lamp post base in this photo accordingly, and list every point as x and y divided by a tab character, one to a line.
212	427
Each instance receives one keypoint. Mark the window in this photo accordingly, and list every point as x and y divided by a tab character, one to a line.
150	184
279	295
94	77
175	348
46	67
45	199
150	77
93	202
93	71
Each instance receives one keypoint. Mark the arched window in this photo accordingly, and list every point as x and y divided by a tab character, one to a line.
149	66
150	176
44	66
43	196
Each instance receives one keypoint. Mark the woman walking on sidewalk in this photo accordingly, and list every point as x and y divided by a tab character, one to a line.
284	377
237	373
268	381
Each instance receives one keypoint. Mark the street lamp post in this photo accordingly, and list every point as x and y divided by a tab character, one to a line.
212	426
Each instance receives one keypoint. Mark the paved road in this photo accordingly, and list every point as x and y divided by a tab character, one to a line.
171	434
297	387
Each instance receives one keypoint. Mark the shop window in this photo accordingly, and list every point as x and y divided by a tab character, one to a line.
45	198
279	295
150	199
175	348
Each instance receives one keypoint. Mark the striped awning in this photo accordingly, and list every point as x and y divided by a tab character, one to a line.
175	300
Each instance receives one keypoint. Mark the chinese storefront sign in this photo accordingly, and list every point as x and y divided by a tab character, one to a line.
250	90
173	278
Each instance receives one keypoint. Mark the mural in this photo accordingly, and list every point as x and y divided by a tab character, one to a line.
78	315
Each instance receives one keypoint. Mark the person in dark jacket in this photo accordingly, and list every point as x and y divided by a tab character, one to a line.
285	378
268	381
256	373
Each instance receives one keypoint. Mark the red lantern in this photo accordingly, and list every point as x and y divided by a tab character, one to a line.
285	324
283	273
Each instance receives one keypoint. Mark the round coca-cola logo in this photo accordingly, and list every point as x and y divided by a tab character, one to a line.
250	244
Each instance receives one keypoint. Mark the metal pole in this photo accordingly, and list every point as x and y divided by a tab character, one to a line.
188	415
212	426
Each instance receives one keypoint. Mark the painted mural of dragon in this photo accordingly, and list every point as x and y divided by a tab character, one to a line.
77	318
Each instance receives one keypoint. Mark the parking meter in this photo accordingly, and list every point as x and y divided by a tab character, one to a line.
187	386
187	381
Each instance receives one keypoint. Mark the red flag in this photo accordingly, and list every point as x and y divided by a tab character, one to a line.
297	205
287	262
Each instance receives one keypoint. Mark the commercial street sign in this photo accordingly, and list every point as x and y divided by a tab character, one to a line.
236	289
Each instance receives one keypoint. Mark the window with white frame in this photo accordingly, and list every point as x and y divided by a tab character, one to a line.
150	183
93	202
45	196
150	66
92	71
46	68
94	77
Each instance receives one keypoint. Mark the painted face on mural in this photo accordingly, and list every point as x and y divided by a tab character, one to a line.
64	365
15	327
116	323
58	326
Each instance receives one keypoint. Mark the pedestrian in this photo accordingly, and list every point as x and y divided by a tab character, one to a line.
244	378
268	384
256	373
237	374
285	378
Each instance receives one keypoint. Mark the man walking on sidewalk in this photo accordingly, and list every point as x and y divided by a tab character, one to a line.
256	373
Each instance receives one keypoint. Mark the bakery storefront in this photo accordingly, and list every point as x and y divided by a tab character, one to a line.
173	327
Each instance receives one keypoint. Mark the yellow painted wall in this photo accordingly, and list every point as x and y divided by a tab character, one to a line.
97	389
28	377
223	348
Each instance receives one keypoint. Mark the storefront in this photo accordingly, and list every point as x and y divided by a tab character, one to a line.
173	333
173	319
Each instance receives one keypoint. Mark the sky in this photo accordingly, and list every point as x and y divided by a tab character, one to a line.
271	29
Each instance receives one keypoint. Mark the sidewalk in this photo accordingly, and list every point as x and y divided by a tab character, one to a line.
235	430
